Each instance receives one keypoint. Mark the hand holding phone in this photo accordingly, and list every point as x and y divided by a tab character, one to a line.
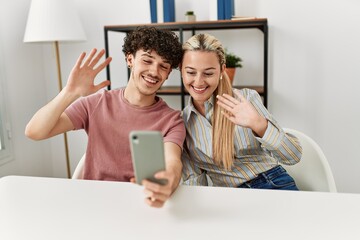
147	151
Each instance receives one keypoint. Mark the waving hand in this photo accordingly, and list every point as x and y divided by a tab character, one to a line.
241	112
82	76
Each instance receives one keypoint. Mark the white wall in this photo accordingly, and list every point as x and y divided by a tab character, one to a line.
26	90
313	49
314	77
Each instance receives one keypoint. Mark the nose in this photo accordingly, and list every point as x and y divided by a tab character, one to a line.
198	80
154	70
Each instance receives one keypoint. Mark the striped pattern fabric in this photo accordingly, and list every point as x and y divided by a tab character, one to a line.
253	155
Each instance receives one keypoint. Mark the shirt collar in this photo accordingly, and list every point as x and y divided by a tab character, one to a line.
190	108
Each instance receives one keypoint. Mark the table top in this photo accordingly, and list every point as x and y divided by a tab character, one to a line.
51	208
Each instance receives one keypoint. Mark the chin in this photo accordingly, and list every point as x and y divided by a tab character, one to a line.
200	97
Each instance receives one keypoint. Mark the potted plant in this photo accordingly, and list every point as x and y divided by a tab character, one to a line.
190	16
232	62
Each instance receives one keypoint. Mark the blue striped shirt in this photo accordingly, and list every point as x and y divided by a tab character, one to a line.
253	155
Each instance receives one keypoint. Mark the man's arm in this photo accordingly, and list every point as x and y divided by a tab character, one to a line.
51	120
157	194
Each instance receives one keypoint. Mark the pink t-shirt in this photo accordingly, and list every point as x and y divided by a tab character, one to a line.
108	118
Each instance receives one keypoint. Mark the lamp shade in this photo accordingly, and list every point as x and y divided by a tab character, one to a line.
53	20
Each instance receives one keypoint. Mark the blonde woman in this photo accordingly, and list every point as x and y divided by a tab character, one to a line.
232	140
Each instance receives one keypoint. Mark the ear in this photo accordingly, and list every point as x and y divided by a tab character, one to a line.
129	60
169	74
223	67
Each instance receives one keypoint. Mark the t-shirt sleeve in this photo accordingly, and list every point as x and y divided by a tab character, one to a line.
79	111
176	132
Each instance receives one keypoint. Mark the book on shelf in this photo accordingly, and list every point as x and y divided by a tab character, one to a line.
225	9
162	11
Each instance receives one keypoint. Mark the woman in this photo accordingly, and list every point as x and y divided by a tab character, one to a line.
231	139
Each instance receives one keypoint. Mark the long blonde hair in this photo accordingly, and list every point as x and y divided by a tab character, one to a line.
223	129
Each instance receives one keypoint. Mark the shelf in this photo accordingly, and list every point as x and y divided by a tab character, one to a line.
176	90
260	23
193	27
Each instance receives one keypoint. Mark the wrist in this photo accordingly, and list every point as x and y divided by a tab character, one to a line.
69	94
260	126
176	179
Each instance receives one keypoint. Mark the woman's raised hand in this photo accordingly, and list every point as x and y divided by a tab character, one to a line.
241	112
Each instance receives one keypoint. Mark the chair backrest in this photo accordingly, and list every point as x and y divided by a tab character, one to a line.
313	172
78	173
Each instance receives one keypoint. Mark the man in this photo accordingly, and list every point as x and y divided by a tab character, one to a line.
109	116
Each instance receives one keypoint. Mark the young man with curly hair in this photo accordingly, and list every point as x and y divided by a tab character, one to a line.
109	116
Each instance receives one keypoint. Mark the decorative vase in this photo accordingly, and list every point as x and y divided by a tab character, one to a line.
231	73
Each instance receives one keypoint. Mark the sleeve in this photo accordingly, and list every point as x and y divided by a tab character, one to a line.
176	133
283	146
191	174
79	112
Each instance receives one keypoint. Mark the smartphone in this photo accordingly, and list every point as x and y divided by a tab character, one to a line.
147	153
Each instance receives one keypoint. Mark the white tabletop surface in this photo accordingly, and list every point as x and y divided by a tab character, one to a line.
49	208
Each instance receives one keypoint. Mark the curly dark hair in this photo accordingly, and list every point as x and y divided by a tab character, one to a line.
164	42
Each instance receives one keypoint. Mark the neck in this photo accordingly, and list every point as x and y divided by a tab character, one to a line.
133	95
200	107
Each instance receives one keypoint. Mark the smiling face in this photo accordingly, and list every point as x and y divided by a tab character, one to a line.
148	71
201	73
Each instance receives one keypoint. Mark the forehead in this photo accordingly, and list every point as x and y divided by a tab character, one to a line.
201	59
151	54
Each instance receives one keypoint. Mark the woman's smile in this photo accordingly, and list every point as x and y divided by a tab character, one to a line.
199	90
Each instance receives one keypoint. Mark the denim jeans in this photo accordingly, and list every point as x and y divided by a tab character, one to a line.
275	178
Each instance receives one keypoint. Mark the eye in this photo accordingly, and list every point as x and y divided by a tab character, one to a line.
147	61
191	73
165	67
208	74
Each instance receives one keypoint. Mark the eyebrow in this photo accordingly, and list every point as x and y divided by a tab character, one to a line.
146	54
210	68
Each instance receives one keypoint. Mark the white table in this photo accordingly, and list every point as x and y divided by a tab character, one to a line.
48	208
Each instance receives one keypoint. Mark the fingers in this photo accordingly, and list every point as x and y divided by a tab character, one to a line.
162	175
154	203
97	58
225	106
156	194
80	59
92	60
228	116
90	57
159	196
155	188
231	105
103	65
102	85
230	99
227	102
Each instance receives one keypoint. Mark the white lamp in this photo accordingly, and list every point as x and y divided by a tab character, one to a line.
54	21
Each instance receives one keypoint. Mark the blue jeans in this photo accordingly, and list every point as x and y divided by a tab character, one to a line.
275	178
